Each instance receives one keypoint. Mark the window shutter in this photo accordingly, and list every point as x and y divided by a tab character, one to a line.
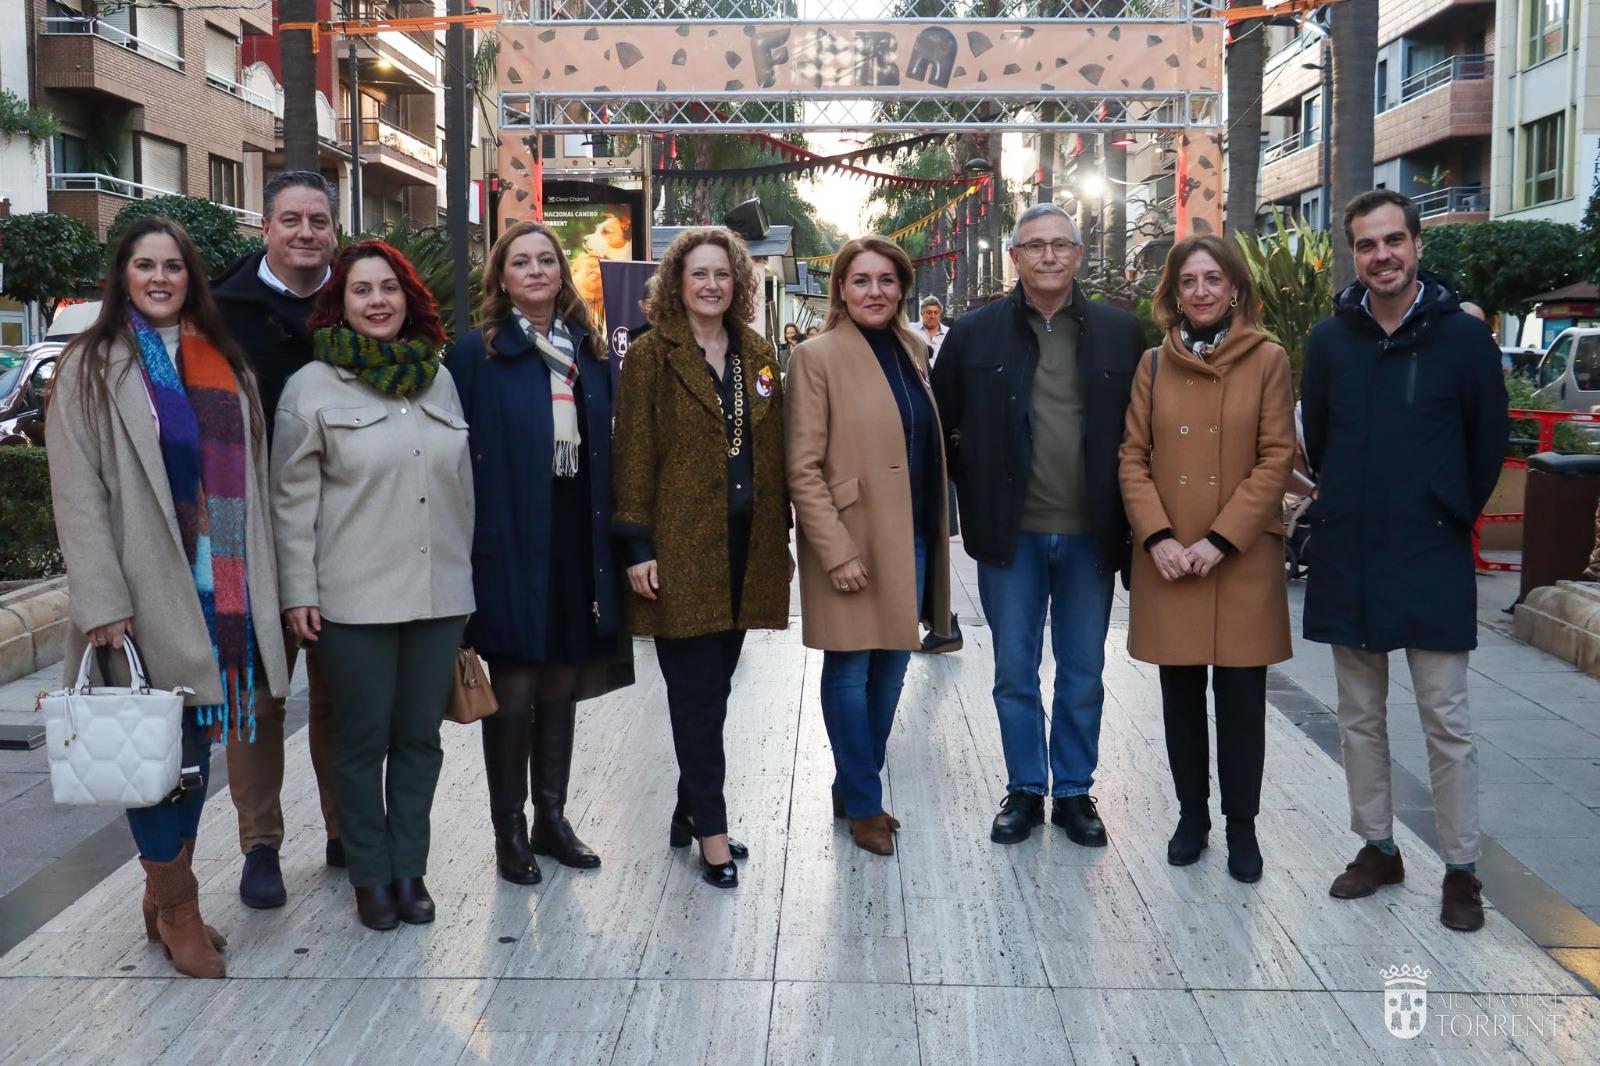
158	25
222	56
161	166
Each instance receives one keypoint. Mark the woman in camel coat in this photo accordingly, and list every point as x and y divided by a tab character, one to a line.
1208	449
867	477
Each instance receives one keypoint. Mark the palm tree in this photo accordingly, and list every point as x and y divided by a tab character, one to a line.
1246	56
1354	33
299	76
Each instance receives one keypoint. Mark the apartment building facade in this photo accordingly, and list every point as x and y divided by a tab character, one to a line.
398	80
152	100
1546	151
1433	111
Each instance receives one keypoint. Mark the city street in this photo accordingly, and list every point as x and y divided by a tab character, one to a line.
955	950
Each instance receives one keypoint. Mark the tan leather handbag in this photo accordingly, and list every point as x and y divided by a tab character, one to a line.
471	698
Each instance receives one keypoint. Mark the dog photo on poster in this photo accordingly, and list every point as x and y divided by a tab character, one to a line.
595	222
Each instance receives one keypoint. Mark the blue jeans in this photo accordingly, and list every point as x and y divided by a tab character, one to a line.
1054	571
860	691
159	831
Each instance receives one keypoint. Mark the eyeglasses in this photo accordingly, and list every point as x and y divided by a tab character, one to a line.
1036	249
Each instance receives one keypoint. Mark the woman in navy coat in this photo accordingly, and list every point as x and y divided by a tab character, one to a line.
537	396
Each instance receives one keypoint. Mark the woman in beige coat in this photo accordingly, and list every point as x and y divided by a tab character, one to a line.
158	476
1208	450
867	477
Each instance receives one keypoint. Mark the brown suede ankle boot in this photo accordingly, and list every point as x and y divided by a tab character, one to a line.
218	941
178	924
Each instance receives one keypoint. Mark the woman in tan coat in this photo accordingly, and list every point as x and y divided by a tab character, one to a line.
867	476
158	474
1208	450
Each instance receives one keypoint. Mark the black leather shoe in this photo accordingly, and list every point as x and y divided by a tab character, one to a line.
334	854
553	836
1019	813
261	884
512	855
682	831
1244	854
376	907
935	644
412	900
724	875
1189	839
1078	816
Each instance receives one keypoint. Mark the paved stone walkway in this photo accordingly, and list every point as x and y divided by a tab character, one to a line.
955	950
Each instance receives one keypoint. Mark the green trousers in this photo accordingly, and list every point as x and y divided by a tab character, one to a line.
390	685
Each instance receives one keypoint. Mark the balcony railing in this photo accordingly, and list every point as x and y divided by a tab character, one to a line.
67	25
1291	144
243	92
1456	68
376	132
112	185
1458	198
1296	45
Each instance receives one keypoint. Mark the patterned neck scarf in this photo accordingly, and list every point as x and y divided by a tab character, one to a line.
202	432
560	356
1202	349
395	368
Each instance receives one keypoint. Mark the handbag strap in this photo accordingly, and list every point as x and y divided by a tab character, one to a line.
137	677
1155	363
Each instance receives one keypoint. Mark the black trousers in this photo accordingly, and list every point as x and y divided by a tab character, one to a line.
1241	703
699	675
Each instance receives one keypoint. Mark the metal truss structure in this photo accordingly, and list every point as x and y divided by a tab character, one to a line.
533	11
849	110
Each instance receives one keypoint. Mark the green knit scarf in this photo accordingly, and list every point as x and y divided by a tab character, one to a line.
396	368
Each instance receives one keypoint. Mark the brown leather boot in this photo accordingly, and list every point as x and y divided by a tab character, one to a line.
1370	870
1462	908
873	834
182	933
218	941
838	812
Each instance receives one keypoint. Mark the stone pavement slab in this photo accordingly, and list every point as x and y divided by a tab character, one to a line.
955	950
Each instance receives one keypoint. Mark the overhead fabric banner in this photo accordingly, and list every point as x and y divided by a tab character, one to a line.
623	284
699	57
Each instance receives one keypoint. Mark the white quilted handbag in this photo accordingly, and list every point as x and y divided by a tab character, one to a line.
115	747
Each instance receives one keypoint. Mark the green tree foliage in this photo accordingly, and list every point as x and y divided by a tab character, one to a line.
28	547
47	257
1290	268
20	119
1501	266
1590	234
701	203
1521	393
892	207
214	229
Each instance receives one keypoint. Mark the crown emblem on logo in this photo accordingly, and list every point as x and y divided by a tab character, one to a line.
1405	972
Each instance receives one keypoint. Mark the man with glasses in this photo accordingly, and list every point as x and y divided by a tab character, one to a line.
1031	391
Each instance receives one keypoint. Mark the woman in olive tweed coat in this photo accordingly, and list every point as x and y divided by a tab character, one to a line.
701	504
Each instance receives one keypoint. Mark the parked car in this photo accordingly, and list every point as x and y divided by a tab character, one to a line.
1569	373
23	390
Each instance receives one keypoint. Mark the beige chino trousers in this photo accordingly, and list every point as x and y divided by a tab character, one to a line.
1439	680
255	770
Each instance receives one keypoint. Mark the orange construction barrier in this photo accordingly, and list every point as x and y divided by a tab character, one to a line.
1547	435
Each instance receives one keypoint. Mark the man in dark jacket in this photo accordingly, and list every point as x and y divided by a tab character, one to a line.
1405	423
1032	389
265	299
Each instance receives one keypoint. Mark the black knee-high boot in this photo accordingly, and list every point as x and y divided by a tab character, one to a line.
554	722
507	738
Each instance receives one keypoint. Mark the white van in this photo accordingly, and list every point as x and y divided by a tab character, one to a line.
1569	374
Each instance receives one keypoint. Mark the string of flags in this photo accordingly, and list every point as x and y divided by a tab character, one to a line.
801	160
976	186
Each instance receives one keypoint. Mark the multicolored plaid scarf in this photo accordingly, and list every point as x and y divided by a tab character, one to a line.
202	431
396	368
561	359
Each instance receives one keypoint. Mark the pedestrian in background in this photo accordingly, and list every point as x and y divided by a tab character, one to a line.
265	299
1205	461
930	327
700	500
533	383
1032	388
158	477
1405	417
373	509
791	338
866	473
